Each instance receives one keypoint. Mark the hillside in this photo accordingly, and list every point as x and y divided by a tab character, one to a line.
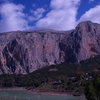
65	77
23	52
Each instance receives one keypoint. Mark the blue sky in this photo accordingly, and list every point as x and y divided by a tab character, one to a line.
46	14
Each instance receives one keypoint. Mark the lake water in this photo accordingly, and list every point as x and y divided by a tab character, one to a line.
24	95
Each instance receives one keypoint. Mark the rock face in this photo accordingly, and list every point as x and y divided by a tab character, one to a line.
25	52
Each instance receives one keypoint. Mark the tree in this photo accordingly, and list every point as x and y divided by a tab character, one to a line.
92	89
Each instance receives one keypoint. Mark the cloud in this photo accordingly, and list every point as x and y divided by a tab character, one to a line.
93	15
2	1
62	15
36	14
91	0
12	17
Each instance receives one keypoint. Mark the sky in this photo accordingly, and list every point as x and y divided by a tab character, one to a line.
19	15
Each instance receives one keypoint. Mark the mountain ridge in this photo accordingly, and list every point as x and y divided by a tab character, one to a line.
23	52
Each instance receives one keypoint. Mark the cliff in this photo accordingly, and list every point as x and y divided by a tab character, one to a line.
26	51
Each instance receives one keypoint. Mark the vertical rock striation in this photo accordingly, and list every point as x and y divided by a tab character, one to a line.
25	52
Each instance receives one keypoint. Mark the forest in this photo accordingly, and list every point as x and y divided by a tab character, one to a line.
75	78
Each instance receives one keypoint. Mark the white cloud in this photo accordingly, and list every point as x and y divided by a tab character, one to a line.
12	17
61	17
93	15
5	1
91	0
36	14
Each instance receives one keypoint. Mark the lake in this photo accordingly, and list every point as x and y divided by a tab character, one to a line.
24	95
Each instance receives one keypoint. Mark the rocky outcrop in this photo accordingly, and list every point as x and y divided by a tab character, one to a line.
89	37
25	52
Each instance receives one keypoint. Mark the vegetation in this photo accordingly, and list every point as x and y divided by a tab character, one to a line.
65	77
92	89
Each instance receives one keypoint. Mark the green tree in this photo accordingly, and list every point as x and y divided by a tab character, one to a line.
92	89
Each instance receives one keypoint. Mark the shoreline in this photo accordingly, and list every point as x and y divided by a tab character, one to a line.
51	93
41	92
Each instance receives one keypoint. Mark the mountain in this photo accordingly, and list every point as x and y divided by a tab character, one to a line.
23	52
